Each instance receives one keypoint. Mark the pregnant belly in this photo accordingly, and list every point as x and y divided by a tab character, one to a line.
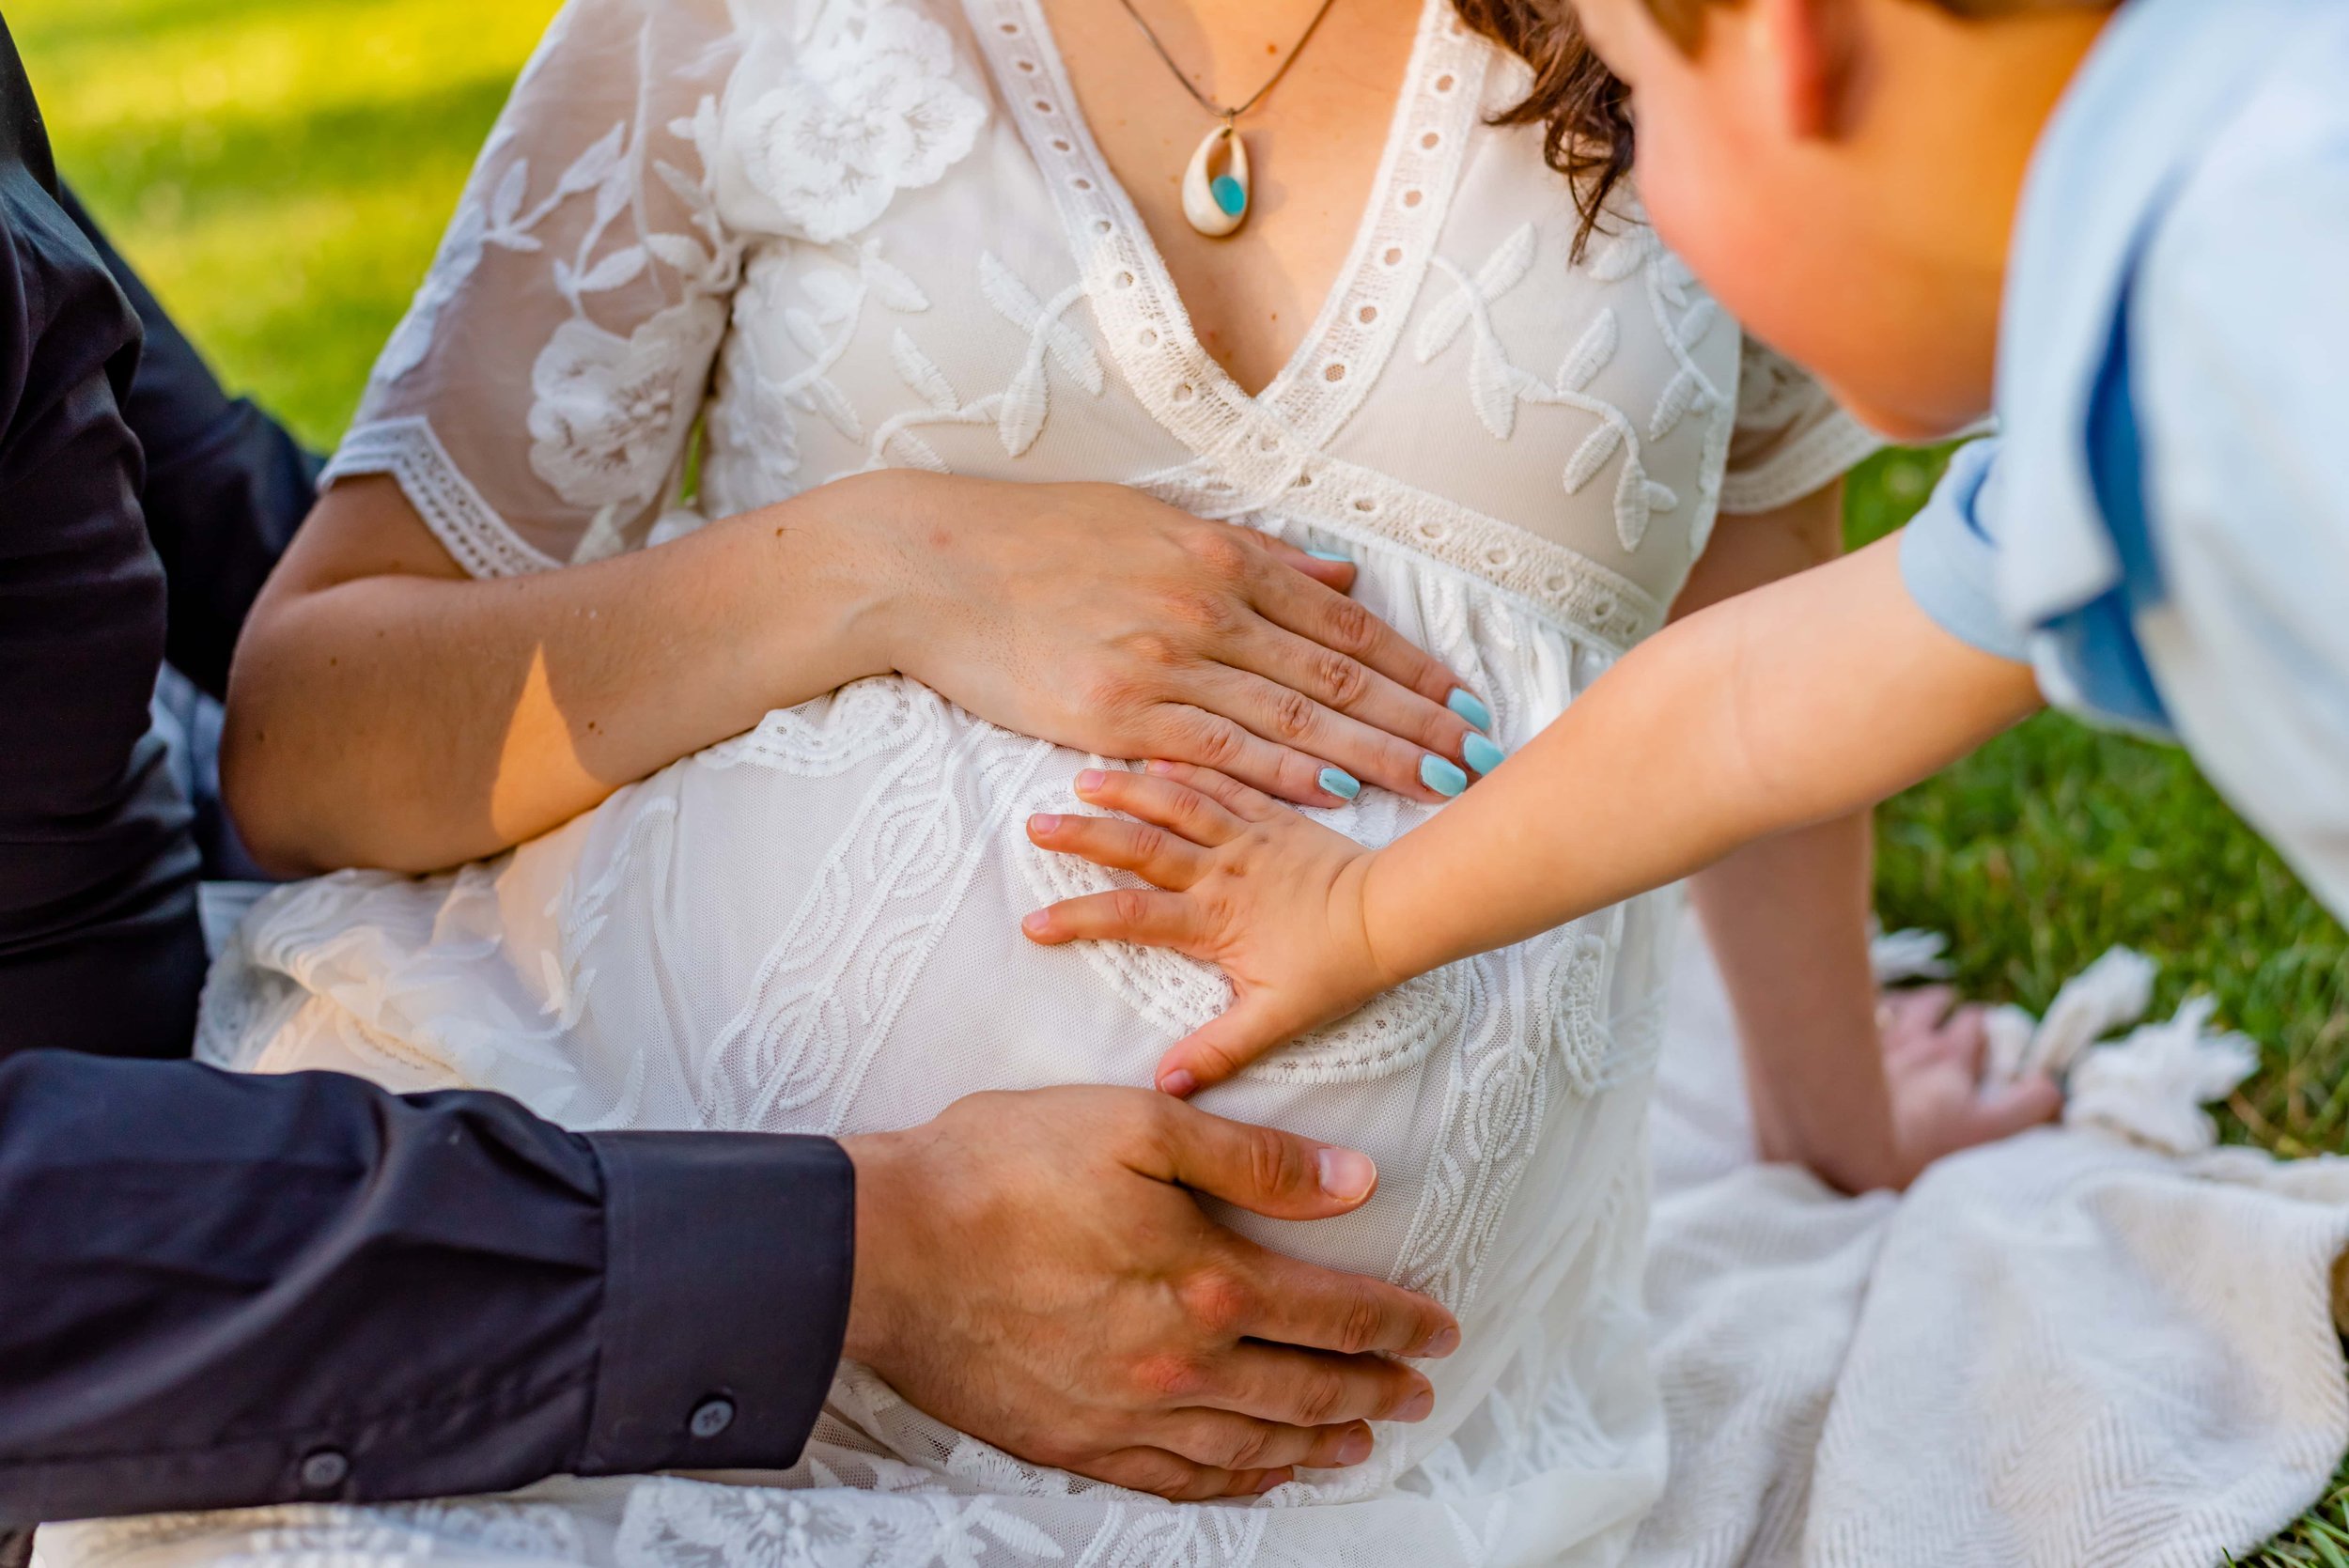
815	928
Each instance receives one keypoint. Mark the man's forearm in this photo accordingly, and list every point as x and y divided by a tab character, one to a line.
1789	705
221	1291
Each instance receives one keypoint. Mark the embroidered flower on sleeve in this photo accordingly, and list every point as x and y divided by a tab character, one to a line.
605	408
863	116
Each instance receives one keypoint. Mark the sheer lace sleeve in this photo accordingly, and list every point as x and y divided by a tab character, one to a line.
535	402
1790	438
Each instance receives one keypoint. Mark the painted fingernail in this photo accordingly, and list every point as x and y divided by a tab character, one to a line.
1442	1343
1178	1083
1091	779
1346	1174
1418	1407
1045	822
1482	753
1329	555
1468	706
1444	778
1037	924
1354	1447
1340	783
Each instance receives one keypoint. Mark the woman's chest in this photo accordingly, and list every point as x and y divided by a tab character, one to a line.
943	271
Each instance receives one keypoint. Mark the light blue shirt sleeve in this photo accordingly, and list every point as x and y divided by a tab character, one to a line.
1950	553
2244	327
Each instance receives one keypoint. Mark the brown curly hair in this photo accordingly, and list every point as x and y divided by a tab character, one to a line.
1582	109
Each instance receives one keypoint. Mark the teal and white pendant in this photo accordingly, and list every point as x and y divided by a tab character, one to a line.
1215	187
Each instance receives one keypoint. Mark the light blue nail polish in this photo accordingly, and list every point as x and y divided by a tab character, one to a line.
1443	777
1469	707
1340	783
1481	754
1329	555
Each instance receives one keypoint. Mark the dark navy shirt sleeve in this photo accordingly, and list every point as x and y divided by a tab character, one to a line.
225	1290
216	1290
225	484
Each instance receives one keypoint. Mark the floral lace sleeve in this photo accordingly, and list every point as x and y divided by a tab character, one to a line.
1790	438
535	402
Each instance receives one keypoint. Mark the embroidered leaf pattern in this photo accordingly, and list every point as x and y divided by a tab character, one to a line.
1622	256
594	167
1492	386
616	270
1678	396
678	252
1593	352
1025	403
505	203
804	331
922	373
889	282
1596	450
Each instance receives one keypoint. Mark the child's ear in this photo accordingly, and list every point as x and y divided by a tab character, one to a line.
1810	47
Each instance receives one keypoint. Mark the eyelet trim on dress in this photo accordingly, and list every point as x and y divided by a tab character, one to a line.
467	526
1558	583
1133	296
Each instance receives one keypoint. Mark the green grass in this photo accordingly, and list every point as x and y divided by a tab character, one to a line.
281	170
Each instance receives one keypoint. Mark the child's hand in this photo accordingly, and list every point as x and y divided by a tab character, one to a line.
1273	899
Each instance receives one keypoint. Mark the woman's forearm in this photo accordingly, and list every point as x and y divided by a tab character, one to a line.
1787	922
1801	702
385	710
1787	917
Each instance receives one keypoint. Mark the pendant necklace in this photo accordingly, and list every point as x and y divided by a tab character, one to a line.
1216	186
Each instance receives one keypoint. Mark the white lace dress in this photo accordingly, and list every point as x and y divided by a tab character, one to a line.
836	236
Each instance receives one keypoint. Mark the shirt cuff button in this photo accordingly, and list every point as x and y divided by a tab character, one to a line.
324	1470
711	1417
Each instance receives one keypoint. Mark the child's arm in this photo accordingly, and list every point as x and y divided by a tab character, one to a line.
1783	707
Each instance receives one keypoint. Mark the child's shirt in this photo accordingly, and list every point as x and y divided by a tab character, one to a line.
2163	531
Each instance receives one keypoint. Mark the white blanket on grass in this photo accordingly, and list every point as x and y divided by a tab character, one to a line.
2063	1349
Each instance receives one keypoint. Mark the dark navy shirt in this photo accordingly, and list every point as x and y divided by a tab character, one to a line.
218	1290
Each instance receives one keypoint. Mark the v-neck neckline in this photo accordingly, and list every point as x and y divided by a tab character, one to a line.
1147	329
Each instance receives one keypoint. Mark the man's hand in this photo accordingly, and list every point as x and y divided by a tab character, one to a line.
1031	1269
1272	898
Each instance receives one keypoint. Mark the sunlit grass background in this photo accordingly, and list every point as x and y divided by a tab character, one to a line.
281	170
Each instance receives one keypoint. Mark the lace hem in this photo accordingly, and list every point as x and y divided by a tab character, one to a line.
1810	461
482	543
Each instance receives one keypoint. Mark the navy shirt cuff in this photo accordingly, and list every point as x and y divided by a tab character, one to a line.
718	1354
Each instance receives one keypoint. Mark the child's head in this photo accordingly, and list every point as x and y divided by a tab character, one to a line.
1842	174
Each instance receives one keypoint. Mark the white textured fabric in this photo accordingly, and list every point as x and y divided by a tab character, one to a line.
2065	1350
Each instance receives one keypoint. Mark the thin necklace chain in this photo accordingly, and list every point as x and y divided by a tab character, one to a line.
1227	115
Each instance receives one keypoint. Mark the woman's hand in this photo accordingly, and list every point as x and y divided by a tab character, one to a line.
1097	617
1932	1064
1273	899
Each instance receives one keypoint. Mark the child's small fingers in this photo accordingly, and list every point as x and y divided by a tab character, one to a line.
1242	801
1127	915
1169	803
1218	1049
1153	854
